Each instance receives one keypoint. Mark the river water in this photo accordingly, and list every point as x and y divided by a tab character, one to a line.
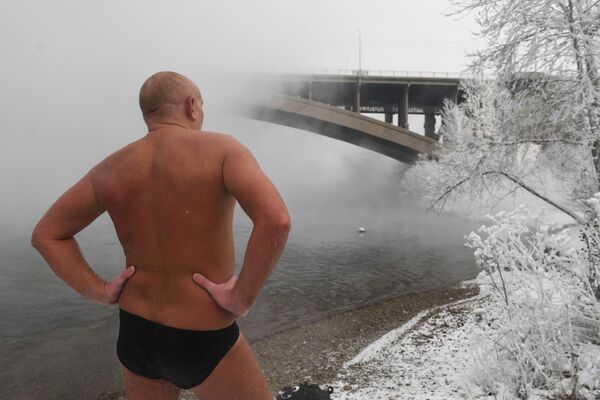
54	345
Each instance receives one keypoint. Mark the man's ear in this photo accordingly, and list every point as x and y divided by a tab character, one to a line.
190	108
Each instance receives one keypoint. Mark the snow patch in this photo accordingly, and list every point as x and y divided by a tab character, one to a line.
422	359
370	352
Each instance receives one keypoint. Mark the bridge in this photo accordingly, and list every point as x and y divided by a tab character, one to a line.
332	104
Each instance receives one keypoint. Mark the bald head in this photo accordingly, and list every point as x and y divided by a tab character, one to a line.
166	94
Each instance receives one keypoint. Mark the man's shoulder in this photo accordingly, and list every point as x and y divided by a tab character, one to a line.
116	157
219	137
224	141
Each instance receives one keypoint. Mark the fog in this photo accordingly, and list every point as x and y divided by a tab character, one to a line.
71	72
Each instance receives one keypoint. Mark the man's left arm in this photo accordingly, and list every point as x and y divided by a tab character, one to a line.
54	238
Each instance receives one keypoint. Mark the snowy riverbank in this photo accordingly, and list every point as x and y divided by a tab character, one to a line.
434	356
419	360
425	358
317	352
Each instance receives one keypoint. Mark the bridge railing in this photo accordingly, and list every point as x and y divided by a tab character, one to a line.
386	73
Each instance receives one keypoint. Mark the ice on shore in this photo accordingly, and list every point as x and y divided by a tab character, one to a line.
422	359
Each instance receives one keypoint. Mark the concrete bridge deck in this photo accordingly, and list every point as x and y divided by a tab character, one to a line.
386	92
338	123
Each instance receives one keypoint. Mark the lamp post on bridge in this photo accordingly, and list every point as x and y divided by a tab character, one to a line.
359	74
359	54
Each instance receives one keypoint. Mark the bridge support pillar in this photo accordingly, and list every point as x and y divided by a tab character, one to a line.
389	117
310	90
454	94
357	98
403	108
429	126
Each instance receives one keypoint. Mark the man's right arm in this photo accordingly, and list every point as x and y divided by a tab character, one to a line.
259	199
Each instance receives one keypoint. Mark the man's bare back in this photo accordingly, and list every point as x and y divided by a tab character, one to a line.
173	215
171	197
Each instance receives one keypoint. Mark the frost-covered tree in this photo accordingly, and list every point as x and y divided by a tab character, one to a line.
541	114
536	125
486	154
559	41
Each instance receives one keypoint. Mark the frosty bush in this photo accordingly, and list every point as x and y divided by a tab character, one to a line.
544	315
590	237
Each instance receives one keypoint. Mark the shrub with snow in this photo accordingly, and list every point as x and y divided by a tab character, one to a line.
541	335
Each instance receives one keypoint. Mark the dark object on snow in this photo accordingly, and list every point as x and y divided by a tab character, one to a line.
305	392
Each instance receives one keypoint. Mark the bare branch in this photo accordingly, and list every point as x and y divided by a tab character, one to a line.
448	191
535	141
536	194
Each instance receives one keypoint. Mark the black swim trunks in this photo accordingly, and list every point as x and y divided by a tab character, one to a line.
184	357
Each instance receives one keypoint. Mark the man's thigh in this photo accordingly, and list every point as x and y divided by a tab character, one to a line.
141	388
237	377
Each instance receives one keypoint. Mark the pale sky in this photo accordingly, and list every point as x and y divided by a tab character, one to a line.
71	71
136	36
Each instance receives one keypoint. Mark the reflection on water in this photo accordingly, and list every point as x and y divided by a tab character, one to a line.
55	345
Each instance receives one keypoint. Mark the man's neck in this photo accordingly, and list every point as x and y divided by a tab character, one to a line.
157	125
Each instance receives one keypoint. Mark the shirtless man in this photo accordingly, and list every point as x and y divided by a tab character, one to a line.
171	196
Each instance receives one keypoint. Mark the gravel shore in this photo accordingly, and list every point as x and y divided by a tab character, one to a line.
316	351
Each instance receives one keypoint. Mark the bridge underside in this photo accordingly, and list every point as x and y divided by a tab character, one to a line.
392	141
377	94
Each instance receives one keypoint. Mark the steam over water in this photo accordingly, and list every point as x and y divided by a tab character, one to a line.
55	345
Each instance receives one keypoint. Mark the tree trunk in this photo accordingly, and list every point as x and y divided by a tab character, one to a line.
576	46
593	108
596	159
587	69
